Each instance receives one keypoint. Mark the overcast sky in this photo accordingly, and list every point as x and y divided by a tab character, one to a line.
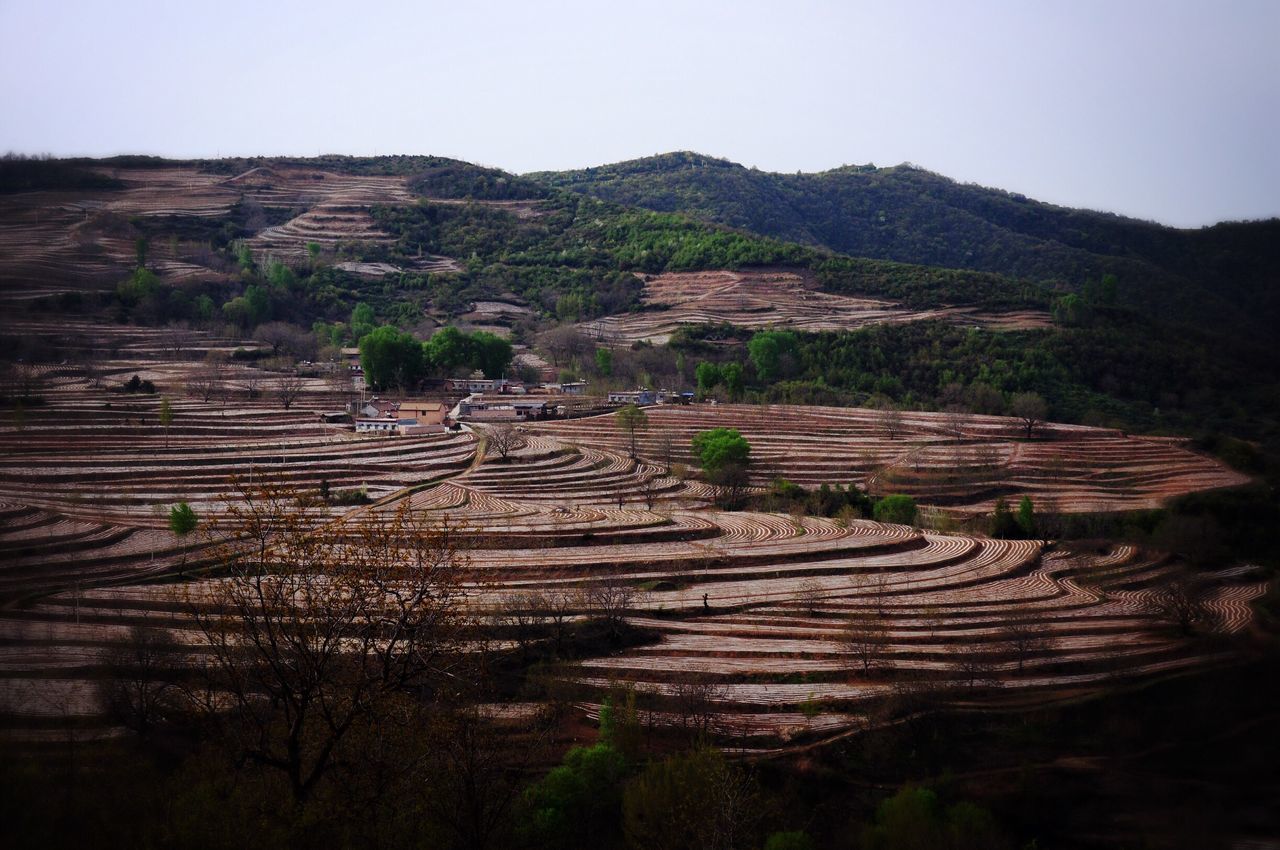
1162	110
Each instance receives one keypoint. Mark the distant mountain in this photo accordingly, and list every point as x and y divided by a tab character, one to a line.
1228	274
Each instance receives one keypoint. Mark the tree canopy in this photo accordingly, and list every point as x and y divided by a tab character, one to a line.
897	509
391	358
182	519
719	448
767	350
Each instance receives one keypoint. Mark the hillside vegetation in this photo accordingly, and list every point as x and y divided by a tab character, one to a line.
1223	274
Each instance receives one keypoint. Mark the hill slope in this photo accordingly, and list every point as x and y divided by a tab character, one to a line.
1226	274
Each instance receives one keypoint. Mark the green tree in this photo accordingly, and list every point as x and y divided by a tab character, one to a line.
707	376
898	508
141	247
142	284
182	519
281	277
1071	310
792	840
604	362
489	353
362	321
691	801
915	818
1110	290
731	374
250	309
204	307
447	349
1027	517
166	418
768	349
719	448
569	307
1003	524
632	419
579	802
391	358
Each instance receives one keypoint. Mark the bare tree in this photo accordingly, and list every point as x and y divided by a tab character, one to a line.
139	689
174	337
503	438
973	668
810	595
565	343
695	799
287	386
695	699
1031	409
664	450
866	640
321	628
610	598
986	456
250	381
1024	635
955	420
205	381
286	339
889	420
340	383
559	604
649	488
520	614
631	419
472	776
93	372
1181	604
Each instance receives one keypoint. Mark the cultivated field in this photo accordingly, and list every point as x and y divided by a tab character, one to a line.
959	462
83	240
784	630
771	298
756	614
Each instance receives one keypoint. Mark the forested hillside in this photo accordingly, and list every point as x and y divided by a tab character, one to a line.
1223	274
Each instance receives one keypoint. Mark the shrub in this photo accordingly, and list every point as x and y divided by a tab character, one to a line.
898	508
182	519
793	840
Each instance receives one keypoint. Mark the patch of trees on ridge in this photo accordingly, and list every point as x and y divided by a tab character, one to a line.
1124	372
20	173
394	358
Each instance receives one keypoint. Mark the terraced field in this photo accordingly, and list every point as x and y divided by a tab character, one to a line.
754	608
90	466
77	241
963	463
771	298
758	613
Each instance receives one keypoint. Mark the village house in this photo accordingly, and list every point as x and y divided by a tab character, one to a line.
426	412
639	397
349	358
477	383
381	424
567	387
401	425
478	408
377	408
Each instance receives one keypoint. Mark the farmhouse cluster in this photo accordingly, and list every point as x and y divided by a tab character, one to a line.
477	399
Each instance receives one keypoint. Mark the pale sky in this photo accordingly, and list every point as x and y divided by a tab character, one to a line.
1162	110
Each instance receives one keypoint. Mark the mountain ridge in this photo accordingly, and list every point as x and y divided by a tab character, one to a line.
1224	272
